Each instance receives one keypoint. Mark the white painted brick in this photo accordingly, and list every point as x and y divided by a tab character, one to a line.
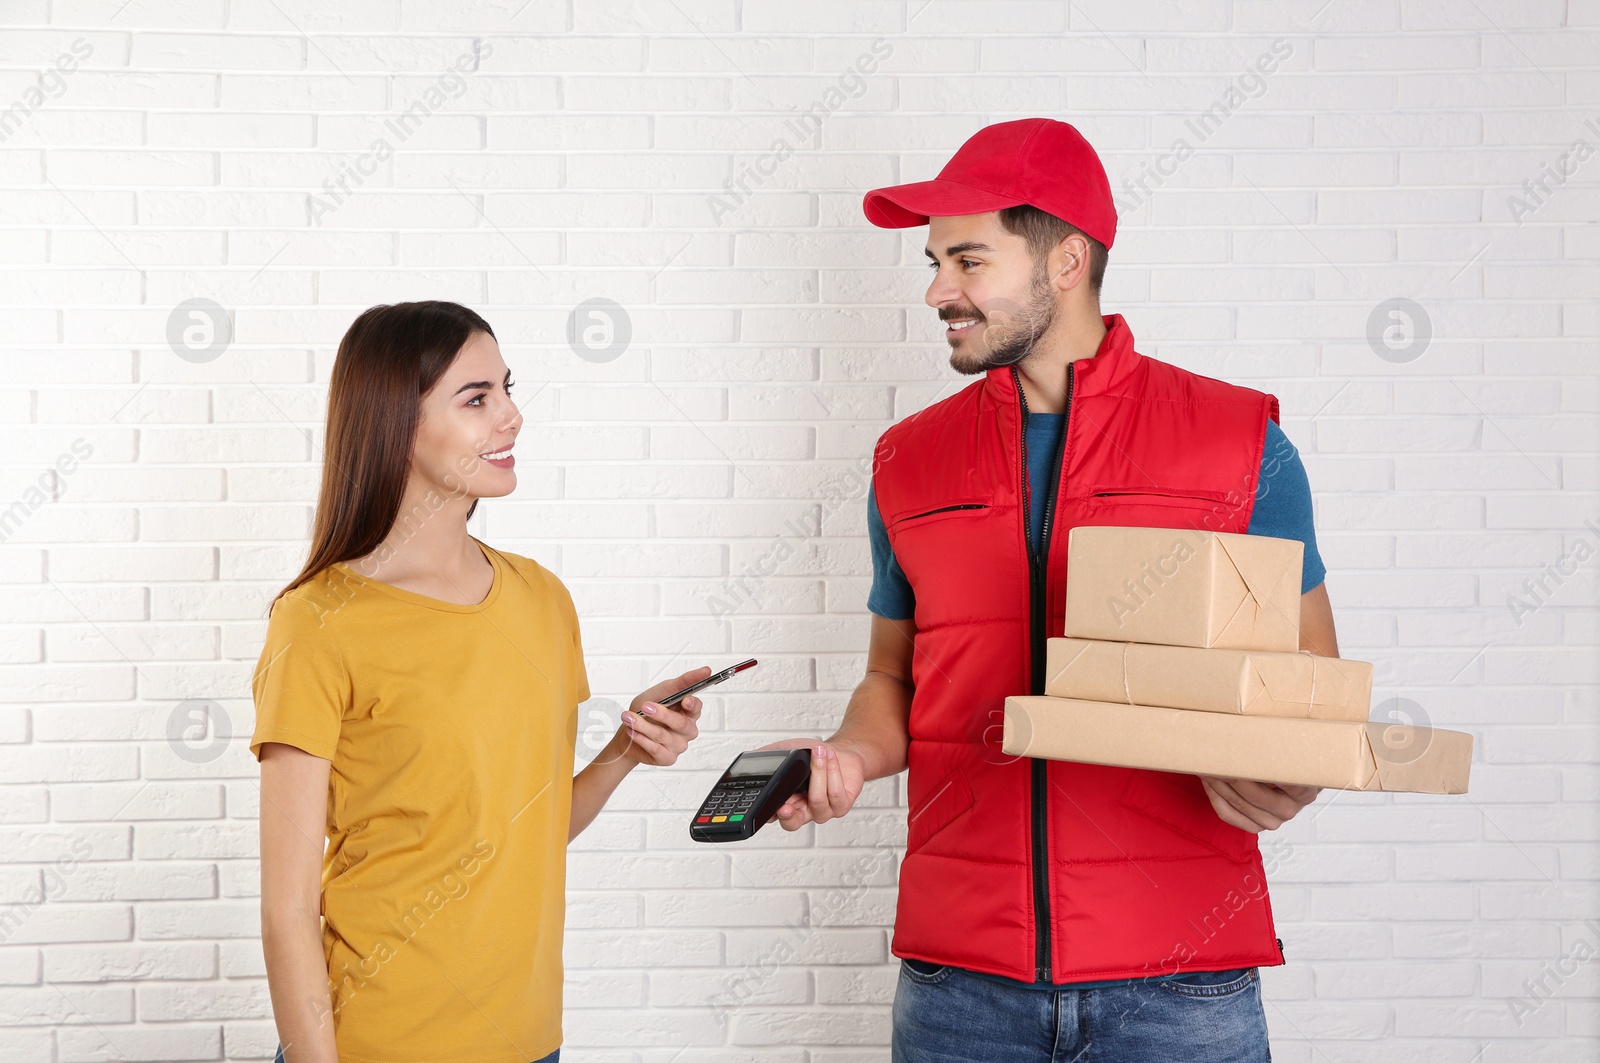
185	920
1400	511
19	647
1404	979
764	522
80	764
139	883
1427	91
135	801
746	591
1387	52
1352	823
1536	511
187	51
648	481
429	53
1321	1025
437	130
23	804
220	130
130	167
243	91
1578	861
558	132
623	93
70	1006
85	128
29	1046
1539	129
650	637
53	922
858	1025
241	878
25	885
241	959
372	286
834	250
712	442
105	963
770	364
171	1042
772	344
150	249
25	245
20	966
436	170
196	1002
1396	130
612	599
646	404
1549	357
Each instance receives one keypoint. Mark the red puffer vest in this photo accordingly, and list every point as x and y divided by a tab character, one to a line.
1055	870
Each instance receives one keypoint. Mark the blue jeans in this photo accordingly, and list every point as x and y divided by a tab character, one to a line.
553	1057
948	1015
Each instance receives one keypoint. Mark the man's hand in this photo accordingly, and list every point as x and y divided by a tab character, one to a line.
837	775
1256	806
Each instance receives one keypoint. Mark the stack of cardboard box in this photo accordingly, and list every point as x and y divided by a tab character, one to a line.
1182	653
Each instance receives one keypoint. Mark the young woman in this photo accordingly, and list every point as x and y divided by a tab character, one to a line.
416	709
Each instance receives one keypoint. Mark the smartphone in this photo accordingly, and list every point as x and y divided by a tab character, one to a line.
714	677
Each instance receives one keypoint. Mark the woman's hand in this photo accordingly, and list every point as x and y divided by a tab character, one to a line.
656	734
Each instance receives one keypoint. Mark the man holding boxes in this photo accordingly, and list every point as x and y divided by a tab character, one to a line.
1164	622
1049	905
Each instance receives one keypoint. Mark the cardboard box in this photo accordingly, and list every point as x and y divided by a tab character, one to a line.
1180	587
1252	682
1338	754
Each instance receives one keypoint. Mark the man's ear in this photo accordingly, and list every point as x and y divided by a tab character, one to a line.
1071	257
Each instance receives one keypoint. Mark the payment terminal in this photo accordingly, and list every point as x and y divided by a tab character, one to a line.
750	793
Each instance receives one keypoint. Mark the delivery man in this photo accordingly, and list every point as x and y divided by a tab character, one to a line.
1050	907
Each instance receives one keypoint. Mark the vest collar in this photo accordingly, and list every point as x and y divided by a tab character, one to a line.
1113	361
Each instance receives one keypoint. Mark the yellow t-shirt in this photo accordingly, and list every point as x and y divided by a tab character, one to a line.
451	730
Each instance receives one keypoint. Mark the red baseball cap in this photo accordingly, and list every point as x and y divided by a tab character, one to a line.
1037	161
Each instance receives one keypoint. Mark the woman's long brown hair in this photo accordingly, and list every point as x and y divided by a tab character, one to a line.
389	358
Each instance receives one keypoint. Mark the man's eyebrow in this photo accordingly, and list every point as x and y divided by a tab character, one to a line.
479	384
957	249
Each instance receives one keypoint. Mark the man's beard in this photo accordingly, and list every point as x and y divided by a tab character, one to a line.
1010	340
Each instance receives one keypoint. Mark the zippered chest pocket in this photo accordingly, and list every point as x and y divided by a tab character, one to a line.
953	509
1156	507
1152	496
962	559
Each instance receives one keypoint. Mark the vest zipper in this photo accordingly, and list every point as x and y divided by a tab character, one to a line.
1038	560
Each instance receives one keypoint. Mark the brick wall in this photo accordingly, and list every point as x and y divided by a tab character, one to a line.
196	197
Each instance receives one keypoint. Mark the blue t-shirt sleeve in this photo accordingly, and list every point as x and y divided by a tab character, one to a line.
891	595
1283	503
